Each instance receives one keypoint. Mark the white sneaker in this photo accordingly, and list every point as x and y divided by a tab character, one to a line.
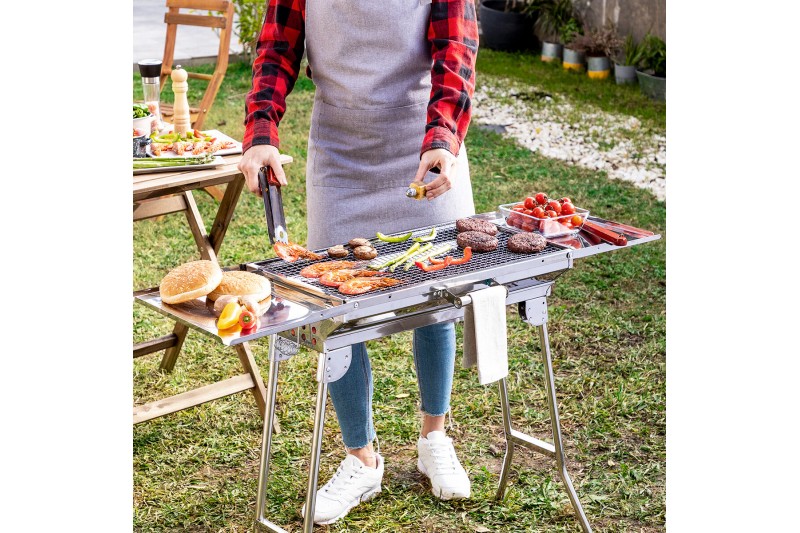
438	461
352	484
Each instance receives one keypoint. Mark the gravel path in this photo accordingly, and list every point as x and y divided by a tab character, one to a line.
580	134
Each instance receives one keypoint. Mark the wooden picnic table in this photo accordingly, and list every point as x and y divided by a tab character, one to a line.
162	193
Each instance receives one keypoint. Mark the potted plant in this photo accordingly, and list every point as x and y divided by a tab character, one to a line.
653	72
508	24
553	16
598	45
625	65
574	58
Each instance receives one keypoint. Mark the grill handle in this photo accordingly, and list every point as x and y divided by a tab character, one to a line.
462	300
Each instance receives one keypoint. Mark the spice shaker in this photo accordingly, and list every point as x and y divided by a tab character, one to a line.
181	117
150	69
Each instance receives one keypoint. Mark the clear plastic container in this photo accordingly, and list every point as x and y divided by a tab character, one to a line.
548	227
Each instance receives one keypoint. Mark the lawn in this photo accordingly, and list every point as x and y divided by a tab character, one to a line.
196	470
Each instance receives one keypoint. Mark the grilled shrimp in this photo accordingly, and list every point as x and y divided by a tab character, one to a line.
157	148
318	269
334	278
291	252
361	285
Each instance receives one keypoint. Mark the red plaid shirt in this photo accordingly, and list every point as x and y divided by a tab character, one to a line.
453	38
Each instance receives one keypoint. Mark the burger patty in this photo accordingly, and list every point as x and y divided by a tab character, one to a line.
475	224
478	241
526	243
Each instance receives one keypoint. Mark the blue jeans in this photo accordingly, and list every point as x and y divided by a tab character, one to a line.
434	357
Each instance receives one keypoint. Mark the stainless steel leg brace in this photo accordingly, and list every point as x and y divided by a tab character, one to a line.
534	313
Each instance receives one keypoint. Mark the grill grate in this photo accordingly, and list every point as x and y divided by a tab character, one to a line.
413	276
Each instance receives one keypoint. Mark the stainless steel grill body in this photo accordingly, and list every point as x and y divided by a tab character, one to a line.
329	323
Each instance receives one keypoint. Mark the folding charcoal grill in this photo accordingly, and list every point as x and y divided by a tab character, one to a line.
304	312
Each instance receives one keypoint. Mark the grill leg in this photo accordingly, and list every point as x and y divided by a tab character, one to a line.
266	439
509	442
316	446
559	449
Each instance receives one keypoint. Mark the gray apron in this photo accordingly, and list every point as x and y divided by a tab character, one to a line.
371	64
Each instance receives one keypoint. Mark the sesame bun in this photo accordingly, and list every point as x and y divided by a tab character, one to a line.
241	283
190	280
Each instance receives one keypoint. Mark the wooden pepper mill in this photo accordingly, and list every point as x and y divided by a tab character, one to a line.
180	109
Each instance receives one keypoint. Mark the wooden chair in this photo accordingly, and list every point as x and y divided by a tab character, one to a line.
224	23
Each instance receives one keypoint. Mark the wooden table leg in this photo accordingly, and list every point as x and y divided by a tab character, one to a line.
259	390
171	353
225	212
198	228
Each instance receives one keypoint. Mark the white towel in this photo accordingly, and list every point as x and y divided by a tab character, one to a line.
485	340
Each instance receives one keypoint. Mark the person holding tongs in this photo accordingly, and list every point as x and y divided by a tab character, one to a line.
394	81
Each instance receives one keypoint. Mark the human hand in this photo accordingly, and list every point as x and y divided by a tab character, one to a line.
437	157
258	156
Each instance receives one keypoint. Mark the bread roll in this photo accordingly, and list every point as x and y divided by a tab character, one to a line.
242	283
190	280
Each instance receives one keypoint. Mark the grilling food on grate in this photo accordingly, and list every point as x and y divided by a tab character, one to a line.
475	224
355	243
291	252
318	269
361	285
189	281
526	243
337	252
365	252
479	242
334	278
241	283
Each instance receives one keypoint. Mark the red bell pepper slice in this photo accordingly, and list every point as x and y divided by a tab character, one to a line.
422	266
467	256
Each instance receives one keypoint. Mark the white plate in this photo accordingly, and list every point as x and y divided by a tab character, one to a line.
215	163
214	133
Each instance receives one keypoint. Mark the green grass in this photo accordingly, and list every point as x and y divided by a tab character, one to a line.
196	470
551	79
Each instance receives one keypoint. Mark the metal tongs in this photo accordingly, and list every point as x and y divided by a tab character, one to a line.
273	205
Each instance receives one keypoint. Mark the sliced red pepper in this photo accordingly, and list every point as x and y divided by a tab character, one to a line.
422	266
460	261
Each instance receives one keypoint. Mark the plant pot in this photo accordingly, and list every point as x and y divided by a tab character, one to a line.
573	60
652	86
598	68
552	52
507	31
624	74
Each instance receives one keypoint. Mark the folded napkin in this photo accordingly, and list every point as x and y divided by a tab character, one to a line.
485	341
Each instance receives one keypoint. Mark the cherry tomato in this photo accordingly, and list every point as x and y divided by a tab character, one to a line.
550	213
541	198
530	203
518	209
565	200
247	319
577	220
528	212
538	212
554	205
567	208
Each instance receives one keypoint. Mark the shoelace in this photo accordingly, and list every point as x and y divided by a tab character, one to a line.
346	482
444	456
